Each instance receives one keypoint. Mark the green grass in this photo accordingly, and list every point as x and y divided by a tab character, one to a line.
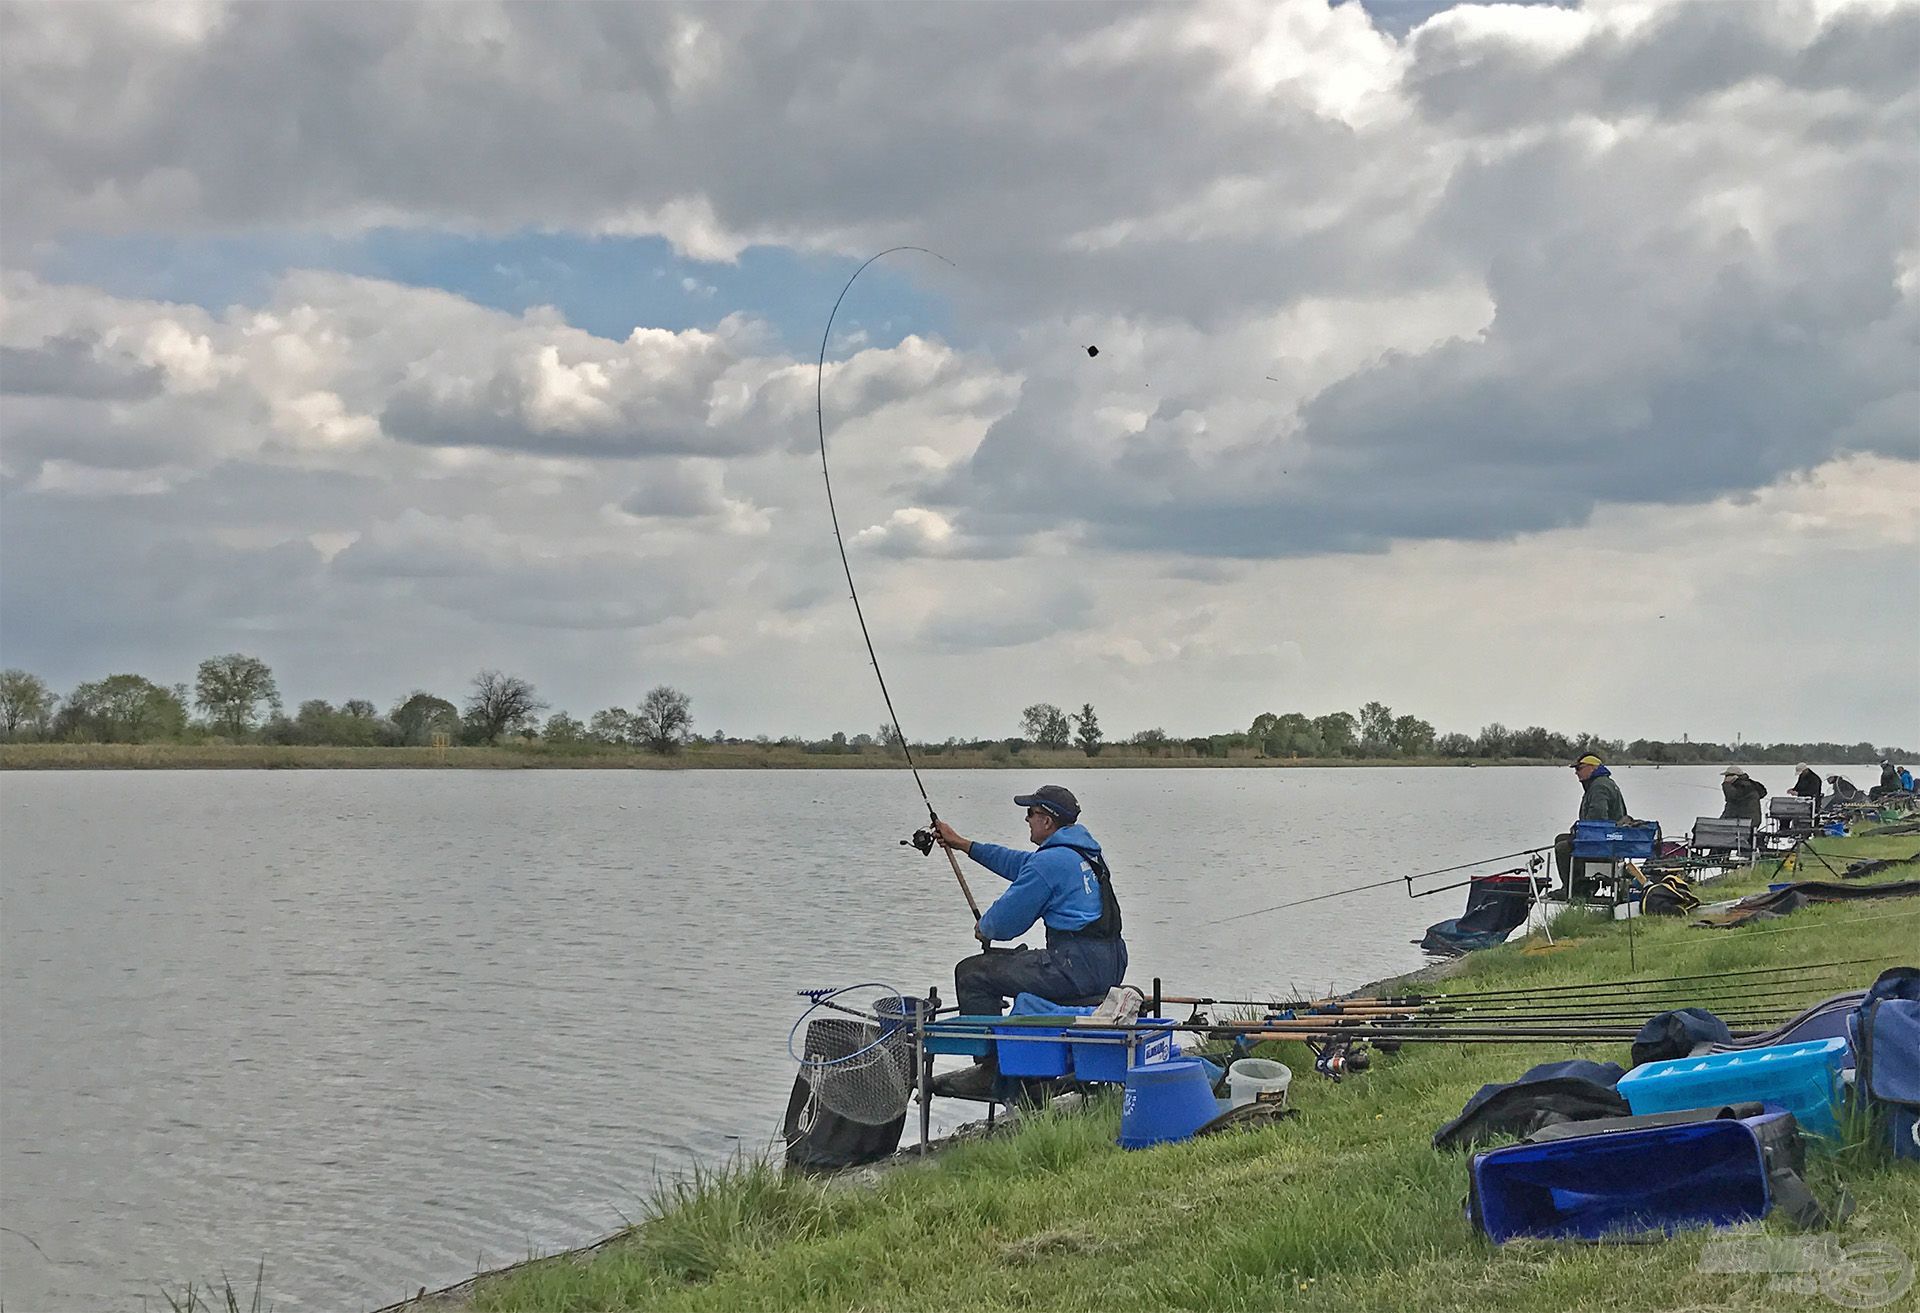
1344	1207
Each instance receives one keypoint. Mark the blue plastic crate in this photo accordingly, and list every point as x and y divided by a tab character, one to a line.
966	1036
1109	1062
1608	840
1032	1051
1803	1078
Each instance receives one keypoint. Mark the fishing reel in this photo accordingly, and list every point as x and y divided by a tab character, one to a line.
1339	1057
924	839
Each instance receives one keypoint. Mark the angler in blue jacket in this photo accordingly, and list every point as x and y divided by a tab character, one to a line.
1063	884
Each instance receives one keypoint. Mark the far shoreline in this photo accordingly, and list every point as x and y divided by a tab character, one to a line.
535	756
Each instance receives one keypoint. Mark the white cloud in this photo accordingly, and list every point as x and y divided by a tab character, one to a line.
1416	354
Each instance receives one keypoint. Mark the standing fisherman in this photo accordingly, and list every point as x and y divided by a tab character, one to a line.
1600	800
1807	785
1743	794
1064	884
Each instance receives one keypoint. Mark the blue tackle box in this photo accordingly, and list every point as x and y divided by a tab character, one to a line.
1563	1185
1803	1078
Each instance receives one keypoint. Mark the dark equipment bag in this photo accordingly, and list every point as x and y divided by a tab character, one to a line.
1663	1172
1885	1035
1553	1092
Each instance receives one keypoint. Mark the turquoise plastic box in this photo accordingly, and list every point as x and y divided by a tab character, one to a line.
966	1036
1802	1078
1109	1062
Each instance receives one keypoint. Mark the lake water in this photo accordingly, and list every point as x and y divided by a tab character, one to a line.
384	1029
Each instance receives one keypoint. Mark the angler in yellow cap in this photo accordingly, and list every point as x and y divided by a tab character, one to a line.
1600	800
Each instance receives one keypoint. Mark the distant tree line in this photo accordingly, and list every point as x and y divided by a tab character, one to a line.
238	701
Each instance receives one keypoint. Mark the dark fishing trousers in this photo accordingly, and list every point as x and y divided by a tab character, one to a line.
1066	968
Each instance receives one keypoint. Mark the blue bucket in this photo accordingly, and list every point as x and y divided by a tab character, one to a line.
1166	1101
901	1011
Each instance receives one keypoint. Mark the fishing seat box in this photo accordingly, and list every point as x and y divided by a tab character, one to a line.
1803	1078
1611	842
1592	1180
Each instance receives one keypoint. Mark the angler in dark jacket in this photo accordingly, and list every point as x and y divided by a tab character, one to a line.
1065	885
1743	794
1807	785
1600	800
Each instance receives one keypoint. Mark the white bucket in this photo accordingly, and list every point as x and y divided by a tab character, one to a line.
1252	1079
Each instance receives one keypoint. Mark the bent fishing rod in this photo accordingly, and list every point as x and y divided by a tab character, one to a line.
925	839
1381	884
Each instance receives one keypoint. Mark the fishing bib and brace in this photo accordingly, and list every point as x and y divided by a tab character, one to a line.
1107	924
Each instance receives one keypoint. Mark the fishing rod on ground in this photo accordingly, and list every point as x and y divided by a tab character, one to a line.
1381	884
1725	1005
927	838
1561	1006
1632	984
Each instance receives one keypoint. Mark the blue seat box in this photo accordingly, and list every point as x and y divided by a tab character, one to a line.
1038	1050
1803	1078
1607	840
1109	1062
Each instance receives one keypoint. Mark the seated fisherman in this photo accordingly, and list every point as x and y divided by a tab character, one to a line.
1065	885
1807	785
1889	781
1600	800
1743	795
1906	778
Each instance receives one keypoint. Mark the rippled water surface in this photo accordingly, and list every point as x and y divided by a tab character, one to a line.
381	1029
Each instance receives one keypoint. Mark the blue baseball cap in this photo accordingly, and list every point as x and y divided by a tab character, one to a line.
1053	799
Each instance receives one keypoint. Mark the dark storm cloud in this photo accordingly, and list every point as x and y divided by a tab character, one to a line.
76	365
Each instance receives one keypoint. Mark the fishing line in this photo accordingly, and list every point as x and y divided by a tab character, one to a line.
1380	884
833	512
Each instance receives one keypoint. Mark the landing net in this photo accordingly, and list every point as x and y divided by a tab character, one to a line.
856	1052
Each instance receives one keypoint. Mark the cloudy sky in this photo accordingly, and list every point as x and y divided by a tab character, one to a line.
1536	364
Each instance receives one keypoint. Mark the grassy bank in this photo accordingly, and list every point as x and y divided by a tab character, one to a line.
744	756
1344	1207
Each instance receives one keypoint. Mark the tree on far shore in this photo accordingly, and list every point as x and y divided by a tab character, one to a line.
1087	730
422	715
665	719
26	704
122	709
498	705
232	688
1046	725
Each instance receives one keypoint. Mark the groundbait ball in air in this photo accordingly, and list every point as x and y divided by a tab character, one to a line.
1093	351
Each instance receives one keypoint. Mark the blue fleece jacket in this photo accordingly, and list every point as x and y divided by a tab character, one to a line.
1053	884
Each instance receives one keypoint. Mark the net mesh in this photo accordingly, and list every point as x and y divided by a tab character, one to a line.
858	1069
856	1052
